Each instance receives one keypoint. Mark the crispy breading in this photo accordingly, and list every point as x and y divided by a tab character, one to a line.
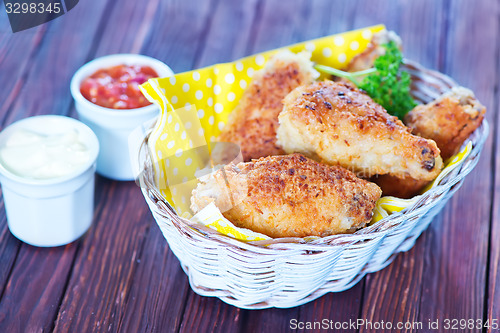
448	120
404	188
253	123
374	50
289	196
338	124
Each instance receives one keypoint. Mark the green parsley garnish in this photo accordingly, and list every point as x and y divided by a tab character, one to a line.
386	83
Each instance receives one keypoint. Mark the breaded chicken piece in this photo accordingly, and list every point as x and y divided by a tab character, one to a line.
338	124
448	120
374	50
253	123
404	188
289	196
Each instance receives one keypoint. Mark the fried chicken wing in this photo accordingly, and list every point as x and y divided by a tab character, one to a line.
448	120
338	124
404	188
289	196
253	123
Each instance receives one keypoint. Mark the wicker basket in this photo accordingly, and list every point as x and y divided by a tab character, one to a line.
289	272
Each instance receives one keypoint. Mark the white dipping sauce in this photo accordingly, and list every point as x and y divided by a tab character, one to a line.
32	155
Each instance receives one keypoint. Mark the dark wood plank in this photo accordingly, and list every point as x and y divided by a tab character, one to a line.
46	86
129	25
379	12
221	44
31	297
208	314
393	294
328	18
454	283
159	289
212	314
17	53
179	30
153	279
125	278
335	307
4	21
102	276
278	25
38	278
9	248
269	320
493	306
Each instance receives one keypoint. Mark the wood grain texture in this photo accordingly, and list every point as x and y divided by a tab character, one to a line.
393	294
222	44
56	62
335	308
178	32
5	29
159	289
16	65
127	27
37	283
159	285
275	25
493	306
326	18
102	276
121	276
454	283
142	246
9	249
493	296
208	314
202	313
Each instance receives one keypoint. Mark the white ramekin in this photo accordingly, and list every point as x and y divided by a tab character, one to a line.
111	126
56	211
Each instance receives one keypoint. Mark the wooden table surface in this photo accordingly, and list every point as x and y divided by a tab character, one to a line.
121	276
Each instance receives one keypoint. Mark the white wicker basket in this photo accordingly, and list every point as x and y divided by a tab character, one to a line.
289	272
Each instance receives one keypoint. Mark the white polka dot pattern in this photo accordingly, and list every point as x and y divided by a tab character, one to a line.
208	96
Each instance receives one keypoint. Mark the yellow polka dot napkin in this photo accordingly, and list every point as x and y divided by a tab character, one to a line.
195	106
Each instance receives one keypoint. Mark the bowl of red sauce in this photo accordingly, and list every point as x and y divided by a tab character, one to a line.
108	100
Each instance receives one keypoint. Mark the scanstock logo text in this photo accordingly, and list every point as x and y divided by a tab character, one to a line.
25	14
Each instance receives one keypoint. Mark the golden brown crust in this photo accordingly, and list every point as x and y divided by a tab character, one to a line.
338	124
404	188
293	196
449	120
254	121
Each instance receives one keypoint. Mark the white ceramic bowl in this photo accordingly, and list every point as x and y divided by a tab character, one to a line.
111	126
56	211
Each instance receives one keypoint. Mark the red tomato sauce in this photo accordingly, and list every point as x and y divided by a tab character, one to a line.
117	87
